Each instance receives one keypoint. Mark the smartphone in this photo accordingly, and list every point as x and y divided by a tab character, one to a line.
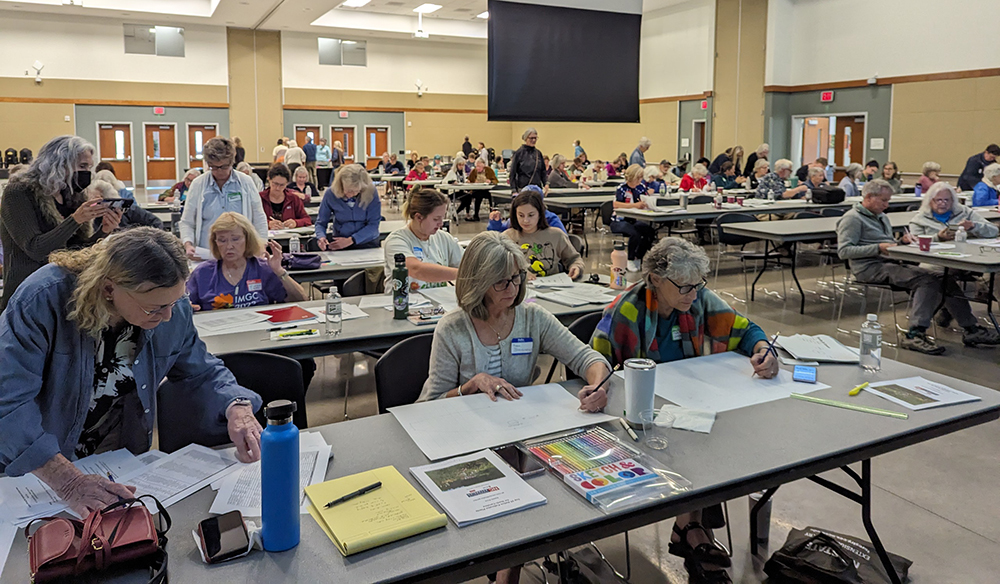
116	204
524	464
224	537
804	374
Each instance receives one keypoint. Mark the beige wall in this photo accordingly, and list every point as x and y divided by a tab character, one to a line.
30	125
255	104
110	92
740	37
943	121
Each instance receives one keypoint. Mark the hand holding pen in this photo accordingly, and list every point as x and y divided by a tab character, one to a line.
765	364
592	398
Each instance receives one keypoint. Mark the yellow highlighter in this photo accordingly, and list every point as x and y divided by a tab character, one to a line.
858	389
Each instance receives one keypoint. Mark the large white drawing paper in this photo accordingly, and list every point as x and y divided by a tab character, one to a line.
449	427
722	382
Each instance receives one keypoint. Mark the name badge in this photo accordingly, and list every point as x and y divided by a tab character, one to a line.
418	252
675	333
234	197
521	346
254	285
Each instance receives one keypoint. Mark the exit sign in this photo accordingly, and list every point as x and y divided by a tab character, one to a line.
159	110
704	104
343	115
826	96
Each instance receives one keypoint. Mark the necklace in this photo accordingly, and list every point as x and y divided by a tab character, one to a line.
232	275
503	325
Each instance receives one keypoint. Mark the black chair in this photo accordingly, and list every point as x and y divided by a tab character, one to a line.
354	286
808	215
582	328
577	242
401	372
701	200
607	210
270	376
700	225
832	212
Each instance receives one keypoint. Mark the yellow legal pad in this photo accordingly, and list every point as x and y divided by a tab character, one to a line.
393	512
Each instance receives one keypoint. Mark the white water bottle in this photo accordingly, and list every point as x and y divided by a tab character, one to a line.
961	236
870	352
294	244
770	195
334	308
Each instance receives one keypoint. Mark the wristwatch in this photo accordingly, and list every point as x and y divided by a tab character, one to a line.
239	401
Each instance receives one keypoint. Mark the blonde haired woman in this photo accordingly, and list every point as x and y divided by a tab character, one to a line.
107	324
432	256
640	234
354	207
238	277
337	158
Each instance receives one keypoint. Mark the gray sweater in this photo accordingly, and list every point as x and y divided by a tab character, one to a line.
924	223
457	355
859	232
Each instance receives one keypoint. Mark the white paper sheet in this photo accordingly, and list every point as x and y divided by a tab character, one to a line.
347	312
179	474
578	295
203	253
917	393
375	301
374	255
449	427
821	348
722	382
560	280
240	490
7	534
443	296
220	321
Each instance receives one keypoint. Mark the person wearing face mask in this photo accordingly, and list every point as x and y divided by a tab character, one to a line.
432	255
107	324
46	208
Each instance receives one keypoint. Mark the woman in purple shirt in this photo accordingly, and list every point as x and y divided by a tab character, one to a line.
239	277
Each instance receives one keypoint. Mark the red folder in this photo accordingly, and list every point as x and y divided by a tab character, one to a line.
288	314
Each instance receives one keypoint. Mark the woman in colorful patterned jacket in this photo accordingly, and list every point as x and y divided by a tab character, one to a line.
668	316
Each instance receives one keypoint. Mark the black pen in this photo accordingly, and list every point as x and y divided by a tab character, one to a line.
606	379
350	496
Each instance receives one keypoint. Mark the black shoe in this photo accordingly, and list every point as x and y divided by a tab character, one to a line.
980	336
921	344
475	219
942	318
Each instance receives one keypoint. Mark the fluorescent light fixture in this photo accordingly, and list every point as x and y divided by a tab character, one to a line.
355	3
483	15
152	30
427	8
349	42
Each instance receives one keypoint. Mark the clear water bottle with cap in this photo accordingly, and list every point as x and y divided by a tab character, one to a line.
961	236
279	478
870	352
770	195
295	244
334	311
175	217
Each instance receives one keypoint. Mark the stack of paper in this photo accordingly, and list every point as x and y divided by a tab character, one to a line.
239	489
179	474
819	348
561	280
392	512
917	393
354	257
476	487
578	295
443	296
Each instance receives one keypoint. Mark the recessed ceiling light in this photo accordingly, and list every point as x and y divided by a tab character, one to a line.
349	42
427	8
355	3
484	15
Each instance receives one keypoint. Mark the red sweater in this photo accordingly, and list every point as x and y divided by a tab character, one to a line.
292	209
688	183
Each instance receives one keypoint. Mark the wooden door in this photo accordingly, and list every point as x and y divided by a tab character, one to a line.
376	142
345	134
161	154
198	135
849	144
114	145
303	133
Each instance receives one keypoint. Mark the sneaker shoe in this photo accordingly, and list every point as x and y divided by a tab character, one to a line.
921	344
633	265
942	318
981	336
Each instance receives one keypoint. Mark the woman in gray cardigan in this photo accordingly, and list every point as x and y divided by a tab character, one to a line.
492	344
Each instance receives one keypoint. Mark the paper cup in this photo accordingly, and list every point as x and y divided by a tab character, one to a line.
924	241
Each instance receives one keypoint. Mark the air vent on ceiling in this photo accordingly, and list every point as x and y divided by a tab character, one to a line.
393	3
463	10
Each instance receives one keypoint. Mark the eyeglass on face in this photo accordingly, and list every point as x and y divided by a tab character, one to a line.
220	167
688	288
503	284
162	309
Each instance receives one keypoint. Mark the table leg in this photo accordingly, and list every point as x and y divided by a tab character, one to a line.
989	302
754	518
795	278
753	286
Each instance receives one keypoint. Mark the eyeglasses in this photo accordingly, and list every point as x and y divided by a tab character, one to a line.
688	288
162	309
988	249
223	167
503	284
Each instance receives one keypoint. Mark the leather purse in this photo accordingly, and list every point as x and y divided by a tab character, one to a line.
119	533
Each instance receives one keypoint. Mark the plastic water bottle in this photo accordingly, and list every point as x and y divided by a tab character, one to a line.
295	244
619	264
279	478
334	310
871	344
663	189
400	288
917	189
961	236
175	217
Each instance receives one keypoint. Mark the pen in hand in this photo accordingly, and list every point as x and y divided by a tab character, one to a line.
605	380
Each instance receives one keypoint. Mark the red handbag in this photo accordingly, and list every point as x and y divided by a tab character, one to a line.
121	532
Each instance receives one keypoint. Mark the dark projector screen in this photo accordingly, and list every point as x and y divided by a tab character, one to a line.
552	64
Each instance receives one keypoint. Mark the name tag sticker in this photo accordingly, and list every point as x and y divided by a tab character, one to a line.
254	285
675	333
234	197
521	346
418	252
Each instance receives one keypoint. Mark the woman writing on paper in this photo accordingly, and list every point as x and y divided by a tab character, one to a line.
547	250
355	209
432	255
671	315
106	324
283	209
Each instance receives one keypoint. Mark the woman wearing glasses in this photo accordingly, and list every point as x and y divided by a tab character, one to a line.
106	324
216	192
671	315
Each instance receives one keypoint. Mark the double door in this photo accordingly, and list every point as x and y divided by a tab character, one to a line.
114	145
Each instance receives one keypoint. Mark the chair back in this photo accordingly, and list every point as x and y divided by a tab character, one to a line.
271	376
401	372
577	242
311	245
607	210
808	215
701	200
832	212
582	328
354	286
729	238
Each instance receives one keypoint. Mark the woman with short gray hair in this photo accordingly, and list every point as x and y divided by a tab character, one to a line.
850	181
527	165
671	315
217	191
491	343
45	208
928	175
985	192
941	214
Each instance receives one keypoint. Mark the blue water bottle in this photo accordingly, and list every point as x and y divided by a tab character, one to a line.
279	478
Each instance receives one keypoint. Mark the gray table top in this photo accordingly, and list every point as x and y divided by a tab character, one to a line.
708	211
980	260
577	202
465	186
384	228
734	460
